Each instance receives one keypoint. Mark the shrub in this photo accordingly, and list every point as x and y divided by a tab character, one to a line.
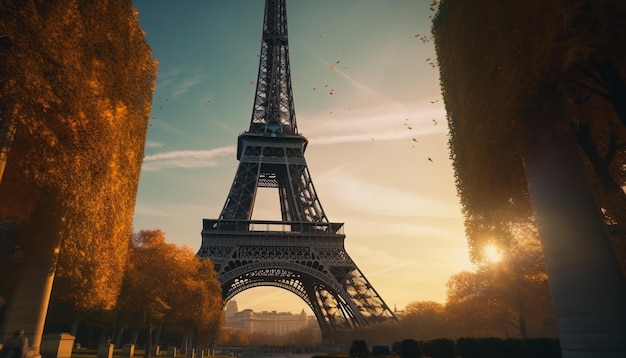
410	349
396	348
438	348
543	348
468	347
514	348
358	349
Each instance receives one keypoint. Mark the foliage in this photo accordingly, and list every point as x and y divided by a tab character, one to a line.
490	347
380	333
165	283
543	347
425	320
76	81
510	297
410	349
232	338
305	337
438	348
308	336
492	74
468	347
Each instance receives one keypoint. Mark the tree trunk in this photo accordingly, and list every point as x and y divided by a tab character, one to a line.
74	328
28	306
148	351
587	287
7	133
134	333
117	340
521	319
157	336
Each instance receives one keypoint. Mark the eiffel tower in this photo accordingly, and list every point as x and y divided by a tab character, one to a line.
304	252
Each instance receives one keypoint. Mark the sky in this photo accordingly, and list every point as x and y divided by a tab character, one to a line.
367	97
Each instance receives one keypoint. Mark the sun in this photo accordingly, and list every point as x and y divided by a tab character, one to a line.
491	253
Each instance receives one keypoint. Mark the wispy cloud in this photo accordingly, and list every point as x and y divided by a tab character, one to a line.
165	79
146	210
188	159
186	83
382	118
153	144
162	125
174	82
370	197
373	123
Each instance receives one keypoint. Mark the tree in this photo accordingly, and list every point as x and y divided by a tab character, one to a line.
198	305
164	283
232	337
468	311
503	299
76	81
507	86
148	280
425	320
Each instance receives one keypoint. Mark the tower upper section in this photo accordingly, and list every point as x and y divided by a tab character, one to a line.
273	113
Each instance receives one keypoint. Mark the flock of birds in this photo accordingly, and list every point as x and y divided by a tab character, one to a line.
331	66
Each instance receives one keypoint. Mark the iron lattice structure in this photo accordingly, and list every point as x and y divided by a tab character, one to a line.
303	253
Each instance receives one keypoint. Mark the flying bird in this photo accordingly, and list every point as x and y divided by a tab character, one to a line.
430	159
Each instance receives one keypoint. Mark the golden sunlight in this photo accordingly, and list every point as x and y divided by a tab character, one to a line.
491	253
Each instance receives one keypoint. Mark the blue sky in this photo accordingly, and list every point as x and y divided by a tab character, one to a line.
366	96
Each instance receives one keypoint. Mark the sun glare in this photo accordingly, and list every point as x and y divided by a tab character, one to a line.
492	254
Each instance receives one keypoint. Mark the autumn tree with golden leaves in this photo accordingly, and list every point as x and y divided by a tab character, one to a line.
168	285
76	81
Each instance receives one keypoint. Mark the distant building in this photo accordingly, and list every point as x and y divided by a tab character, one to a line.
272	323
398	313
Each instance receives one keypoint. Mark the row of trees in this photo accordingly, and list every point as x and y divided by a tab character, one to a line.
309	336
166	290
